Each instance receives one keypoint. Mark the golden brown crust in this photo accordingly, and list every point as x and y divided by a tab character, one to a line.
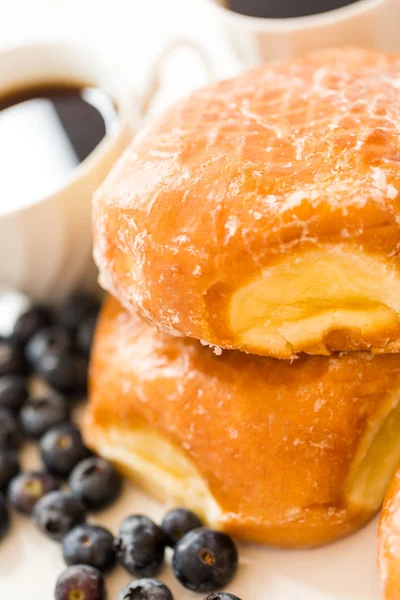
275	443
298	156
389	542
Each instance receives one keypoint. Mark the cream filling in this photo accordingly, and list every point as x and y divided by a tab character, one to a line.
376	460
295	303
159	468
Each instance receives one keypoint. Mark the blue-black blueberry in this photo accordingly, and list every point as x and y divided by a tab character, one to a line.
80	582
30	322
140	546
205	560
9	467
75	308
146	589
85	333
40	414
65	371
89	545
10	431
177	522
13	392
57	513
51	338
11	358
95	482
221	596
26	489
62	449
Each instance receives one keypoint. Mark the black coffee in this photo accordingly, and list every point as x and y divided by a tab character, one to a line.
45	132
285	9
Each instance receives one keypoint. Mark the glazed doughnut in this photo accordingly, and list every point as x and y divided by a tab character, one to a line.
262	213
288	454
389	542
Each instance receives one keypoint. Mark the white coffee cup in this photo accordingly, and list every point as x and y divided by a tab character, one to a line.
368	23
46	245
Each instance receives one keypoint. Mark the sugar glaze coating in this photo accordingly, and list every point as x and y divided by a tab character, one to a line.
287	175
289	454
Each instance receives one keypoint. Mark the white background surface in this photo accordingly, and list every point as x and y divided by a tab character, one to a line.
131	33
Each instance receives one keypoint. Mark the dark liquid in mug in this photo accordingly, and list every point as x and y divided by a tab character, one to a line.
285	9
45	133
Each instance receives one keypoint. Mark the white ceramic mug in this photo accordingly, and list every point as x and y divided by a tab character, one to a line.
368	23
46	245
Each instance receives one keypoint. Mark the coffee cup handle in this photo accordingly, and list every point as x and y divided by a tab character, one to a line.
154	82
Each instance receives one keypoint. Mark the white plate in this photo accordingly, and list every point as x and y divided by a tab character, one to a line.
30	563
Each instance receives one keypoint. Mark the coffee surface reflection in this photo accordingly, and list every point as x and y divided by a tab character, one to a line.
45	133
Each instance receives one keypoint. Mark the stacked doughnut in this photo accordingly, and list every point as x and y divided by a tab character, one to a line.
247	366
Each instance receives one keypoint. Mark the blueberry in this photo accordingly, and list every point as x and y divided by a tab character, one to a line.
11	358
221	596
85	333
62	448
205	560
89	545
10	432
80	582
145	589
9	467
177	523
65	371
13	392
26	489
95	482
4	517
30	322
140	546
40	414
57	513
75	308
51	338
